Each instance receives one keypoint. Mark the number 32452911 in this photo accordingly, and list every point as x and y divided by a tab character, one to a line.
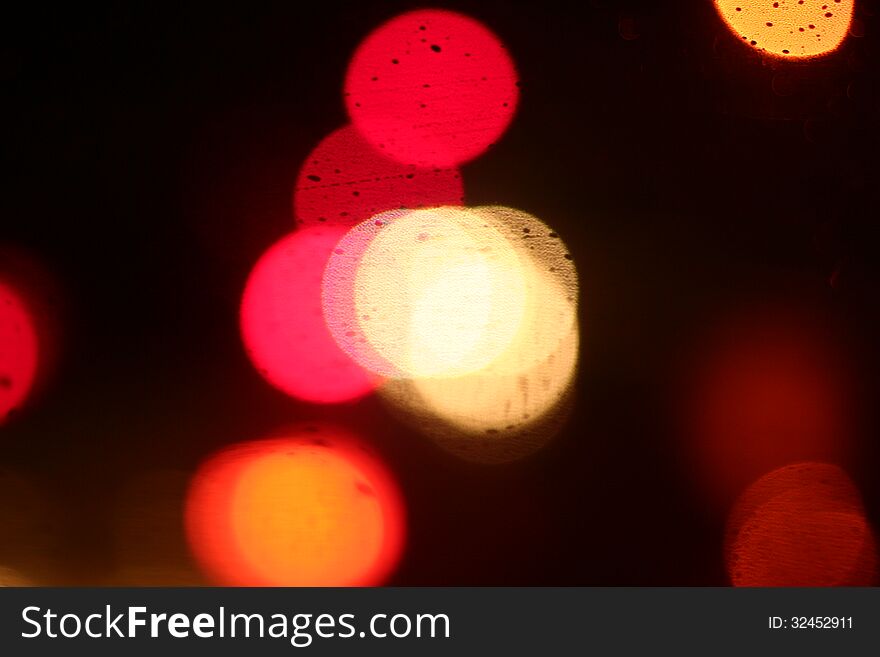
810	623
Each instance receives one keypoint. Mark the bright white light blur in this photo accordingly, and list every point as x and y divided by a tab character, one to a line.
435	292
471	312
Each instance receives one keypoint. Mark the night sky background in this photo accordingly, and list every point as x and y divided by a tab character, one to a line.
149	154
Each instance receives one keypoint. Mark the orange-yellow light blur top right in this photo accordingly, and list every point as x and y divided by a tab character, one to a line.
789	29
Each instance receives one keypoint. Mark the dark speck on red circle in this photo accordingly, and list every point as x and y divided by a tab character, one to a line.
436	48
314	178
395	61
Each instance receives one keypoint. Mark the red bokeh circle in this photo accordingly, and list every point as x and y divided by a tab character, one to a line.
432	88
282	323
800	525
345	180
19	350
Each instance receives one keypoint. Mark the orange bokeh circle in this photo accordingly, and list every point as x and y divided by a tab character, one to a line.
309	508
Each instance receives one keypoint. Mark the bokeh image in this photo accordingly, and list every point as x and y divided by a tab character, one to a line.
459	294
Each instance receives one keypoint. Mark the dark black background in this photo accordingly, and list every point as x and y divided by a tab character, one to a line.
149	153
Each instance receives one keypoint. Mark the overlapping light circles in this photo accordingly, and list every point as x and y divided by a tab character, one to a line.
433	292
412	293
801	525
418	111
19	350
471	312
308	508
789	29
343	181
431	88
